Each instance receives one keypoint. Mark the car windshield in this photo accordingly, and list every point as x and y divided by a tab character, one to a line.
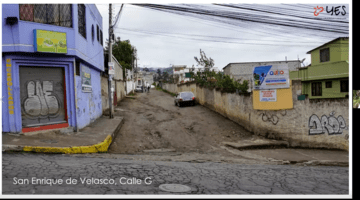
186	95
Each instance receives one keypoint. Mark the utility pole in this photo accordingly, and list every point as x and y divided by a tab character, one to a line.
110	60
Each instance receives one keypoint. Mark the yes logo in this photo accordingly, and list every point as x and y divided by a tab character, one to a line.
333	10
320	9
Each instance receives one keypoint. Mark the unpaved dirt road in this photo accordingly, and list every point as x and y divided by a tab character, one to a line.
152	121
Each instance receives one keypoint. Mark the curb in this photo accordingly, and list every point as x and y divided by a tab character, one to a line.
101	147
261	145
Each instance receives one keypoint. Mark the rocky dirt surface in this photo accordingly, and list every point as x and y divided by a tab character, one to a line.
154	124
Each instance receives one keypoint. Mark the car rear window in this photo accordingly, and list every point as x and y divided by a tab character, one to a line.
187	95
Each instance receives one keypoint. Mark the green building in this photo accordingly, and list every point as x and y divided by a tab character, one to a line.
328	74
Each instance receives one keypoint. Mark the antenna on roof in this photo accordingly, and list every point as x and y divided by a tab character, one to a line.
302	61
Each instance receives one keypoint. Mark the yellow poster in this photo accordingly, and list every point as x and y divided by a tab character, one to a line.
50	41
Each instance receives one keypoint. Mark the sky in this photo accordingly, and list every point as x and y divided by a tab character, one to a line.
163	39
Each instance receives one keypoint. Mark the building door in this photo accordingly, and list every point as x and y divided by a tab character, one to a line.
42	93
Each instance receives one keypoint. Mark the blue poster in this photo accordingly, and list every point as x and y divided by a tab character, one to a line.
271	77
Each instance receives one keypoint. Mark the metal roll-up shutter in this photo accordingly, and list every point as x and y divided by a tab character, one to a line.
42	95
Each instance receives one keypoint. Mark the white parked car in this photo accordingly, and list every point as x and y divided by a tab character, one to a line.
139	89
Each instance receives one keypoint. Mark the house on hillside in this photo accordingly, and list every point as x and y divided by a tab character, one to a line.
328	74
179	71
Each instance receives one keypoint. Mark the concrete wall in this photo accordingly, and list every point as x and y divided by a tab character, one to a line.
130	86
300	126
104	93
120	90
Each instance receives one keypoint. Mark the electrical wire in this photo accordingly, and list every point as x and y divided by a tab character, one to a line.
244	17
251	18
219	37
284	14
206	40
260	30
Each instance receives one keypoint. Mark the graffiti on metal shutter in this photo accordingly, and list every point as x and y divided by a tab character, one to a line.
40	101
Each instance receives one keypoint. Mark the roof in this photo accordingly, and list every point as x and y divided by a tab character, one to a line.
327	43
262	62
179	66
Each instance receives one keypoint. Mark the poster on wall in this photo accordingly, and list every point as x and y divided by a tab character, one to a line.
111	68
50	41
86	79
271	77
268	95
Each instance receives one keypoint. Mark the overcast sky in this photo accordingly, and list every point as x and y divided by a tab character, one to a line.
163	38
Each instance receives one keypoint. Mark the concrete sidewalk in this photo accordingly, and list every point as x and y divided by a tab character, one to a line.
279	151
94	138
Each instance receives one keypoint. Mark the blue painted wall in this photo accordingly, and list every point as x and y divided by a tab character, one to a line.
89	105
12	122
18	46
20	37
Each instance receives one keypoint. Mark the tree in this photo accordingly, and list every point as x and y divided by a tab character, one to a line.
207	63
146	69
124	53
165	76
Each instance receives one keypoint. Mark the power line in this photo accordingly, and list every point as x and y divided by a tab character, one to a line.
242	17
260	29
231	38
207	40
278	13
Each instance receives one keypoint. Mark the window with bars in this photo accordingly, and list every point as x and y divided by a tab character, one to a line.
101	38
92	33
98	33
324	55
81	21
316	89
54	14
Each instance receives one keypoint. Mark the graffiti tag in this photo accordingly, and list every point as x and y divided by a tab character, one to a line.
40	102
273	118
333	125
